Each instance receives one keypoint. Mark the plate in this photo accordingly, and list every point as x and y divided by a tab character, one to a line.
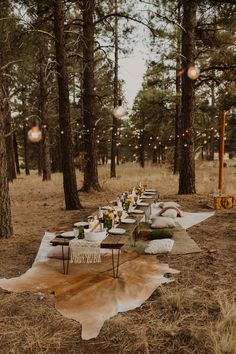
136	211
128	221
117	231
149	193
68	234
142	204
81	223
106	207
146	197
150	190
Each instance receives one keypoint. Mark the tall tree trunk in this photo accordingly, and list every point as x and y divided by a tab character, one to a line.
154	156
26	148
10	151
9	140
187	163
177	119
72	201
6	229
43	111
89	98
16	153
114	122
40	158
178	100
212	139
142	148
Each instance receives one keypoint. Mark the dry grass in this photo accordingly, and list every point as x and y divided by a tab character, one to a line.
223	332
194	314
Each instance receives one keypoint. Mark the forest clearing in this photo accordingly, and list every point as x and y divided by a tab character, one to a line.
195	313
117	177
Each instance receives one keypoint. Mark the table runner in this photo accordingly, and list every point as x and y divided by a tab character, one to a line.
83	251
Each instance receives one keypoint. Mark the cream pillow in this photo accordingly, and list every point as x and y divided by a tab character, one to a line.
170	213
169	204
161	222
159	246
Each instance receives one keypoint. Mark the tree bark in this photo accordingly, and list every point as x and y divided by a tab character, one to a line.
72	201
40	158
26	149
187	163
142	148
212	140
154	156
43	112
10	151
178	100
16	153
6	229
9	140
114	121
89	98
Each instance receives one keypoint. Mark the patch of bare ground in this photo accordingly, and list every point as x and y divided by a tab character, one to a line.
194	314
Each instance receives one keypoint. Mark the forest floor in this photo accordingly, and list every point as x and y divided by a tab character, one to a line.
194	314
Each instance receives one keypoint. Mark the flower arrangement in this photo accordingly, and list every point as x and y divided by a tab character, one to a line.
109	218
139	189
127	200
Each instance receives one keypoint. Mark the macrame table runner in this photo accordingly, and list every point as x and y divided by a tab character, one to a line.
83	251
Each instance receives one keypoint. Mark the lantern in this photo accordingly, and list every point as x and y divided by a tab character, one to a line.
35	134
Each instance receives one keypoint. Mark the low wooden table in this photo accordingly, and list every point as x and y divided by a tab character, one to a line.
113	242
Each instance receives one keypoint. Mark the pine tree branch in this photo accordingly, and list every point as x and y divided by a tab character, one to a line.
41	31
219	67
122	15
166	18
10	63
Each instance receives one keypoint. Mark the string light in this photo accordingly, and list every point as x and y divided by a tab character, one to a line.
35	134
193	72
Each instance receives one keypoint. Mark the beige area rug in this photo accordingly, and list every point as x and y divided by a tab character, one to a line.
183	244
89	294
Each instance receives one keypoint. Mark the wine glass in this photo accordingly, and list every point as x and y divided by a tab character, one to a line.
119	214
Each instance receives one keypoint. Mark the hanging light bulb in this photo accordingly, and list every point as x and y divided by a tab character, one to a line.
193	72
119	110
35	134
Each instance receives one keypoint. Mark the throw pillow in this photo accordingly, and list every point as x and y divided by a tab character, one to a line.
159	246
169	204
159	234
170	213
161	222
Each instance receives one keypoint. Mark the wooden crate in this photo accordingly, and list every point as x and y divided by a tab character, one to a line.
220	202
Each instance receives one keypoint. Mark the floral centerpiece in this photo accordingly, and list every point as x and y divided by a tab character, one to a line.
139	189
109	218
127	200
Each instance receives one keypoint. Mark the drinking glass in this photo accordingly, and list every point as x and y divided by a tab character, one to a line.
119	213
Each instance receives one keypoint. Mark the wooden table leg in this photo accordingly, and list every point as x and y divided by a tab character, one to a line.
65	262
